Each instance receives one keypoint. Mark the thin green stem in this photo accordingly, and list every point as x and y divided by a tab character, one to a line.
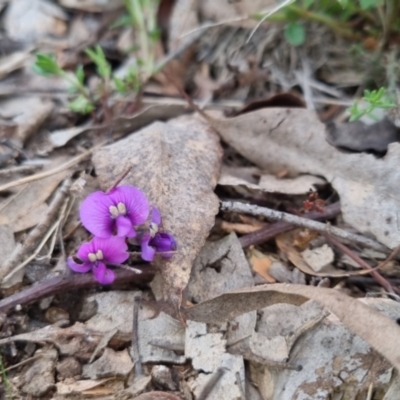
5	380
324	19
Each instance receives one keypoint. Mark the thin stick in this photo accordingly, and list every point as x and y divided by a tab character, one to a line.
36	233
135	353
212	382
376	275
23	362
12	198
50	172
35	253
269	232
235	206
66	283
268	14
118	181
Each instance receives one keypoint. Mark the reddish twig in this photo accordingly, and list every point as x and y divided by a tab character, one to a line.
363	264
60	284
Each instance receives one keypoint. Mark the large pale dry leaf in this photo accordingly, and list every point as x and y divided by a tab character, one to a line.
177	165
28	113
324	351
28	20
362	320
7	246
17	213
294	139
267	182
12	62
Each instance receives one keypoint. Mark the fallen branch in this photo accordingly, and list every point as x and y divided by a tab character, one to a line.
61	284
363	264
234	206
269	232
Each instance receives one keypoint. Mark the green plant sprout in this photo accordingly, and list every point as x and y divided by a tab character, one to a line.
6	383
142	16
376	99
46	65
334	14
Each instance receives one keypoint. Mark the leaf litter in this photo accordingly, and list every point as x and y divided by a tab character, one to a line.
206	325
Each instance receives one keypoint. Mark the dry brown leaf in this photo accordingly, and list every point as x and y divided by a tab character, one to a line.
7	241
286	244
261	264
28	20
362	320
30	218
177	165
294	139
28	113
12	62
18	212
266	182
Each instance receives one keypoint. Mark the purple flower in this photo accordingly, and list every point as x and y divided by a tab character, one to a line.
155	241
96	254
114	213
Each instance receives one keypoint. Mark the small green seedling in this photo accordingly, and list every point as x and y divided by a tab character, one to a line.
377	99
46	64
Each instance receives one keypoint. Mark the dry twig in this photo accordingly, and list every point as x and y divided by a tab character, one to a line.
68	282
50	172
235	206
22	249
269	232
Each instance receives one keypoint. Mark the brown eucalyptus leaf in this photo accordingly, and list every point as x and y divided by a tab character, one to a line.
278	139
379	331
177	165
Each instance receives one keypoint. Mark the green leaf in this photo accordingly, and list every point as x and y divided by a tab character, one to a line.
308	3
98	57
80	74
81	105
123	20
119	85
367	4
295	33
46	65
343	3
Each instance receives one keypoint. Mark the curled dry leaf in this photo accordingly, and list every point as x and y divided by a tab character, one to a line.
294	139
177	165
268	183
362	320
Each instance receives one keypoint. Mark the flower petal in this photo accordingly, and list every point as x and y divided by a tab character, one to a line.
135	201
148	252
95	214
163	242
114	249
124	227
102	274
156	216
84	250
81	268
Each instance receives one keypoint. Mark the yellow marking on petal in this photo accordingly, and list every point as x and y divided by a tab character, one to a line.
121	208
92	257
99	255
114	211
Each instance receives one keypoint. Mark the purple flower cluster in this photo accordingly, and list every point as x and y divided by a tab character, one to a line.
112	217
